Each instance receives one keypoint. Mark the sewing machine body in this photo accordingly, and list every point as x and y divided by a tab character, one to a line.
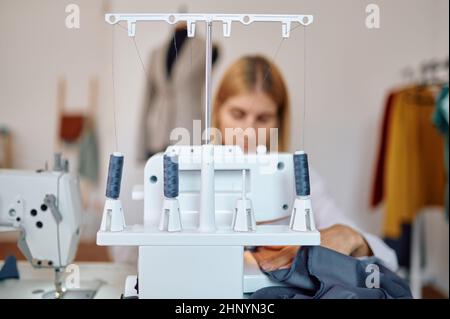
50	231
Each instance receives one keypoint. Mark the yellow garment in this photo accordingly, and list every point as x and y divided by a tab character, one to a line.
414	173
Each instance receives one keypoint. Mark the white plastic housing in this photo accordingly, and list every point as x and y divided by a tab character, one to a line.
269	185
302	215
170	216
244	218
113	219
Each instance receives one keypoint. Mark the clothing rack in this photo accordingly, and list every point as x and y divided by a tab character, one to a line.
427	73
430	73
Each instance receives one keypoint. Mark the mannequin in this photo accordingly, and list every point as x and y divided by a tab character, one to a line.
174	92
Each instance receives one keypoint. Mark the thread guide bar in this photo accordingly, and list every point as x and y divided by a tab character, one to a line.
191	19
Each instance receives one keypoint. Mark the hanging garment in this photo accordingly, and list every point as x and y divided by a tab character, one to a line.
71	126
174	93
176	45
88	159
402	245
440	119
378	182
321	273
78	130
414	175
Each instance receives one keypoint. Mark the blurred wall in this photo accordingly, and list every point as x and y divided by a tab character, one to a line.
349	71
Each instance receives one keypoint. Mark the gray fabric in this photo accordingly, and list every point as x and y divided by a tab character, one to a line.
321	273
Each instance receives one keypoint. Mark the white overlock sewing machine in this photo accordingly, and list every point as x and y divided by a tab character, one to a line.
203	205
45	206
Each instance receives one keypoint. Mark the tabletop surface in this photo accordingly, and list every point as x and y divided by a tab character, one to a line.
105	277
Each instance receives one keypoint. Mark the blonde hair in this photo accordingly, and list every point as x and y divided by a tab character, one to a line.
251	73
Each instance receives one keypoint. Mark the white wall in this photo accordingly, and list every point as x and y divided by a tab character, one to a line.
349	71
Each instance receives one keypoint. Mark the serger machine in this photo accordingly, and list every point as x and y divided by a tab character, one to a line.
206	206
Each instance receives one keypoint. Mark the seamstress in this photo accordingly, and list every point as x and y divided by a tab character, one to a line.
253	94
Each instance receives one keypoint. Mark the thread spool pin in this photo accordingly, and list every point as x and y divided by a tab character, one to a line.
170	216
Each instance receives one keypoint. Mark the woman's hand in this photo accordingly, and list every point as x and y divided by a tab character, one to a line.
344	240
340	238
275	257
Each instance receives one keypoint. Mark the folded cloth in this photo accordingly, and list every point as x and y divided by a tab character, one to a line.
321	273
9	269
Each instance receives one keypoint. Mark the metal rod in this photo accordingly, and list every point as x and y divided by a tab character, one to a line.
59	291
208	80
191	19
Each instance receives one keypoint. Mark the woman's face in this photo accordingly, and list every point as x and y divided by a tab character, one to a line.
254	110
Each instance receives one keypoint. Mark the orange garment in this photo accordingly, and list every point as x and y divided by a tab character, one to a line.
414	173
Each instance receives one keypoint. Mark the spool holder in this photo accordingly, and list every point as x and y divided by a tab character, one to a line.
191	19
